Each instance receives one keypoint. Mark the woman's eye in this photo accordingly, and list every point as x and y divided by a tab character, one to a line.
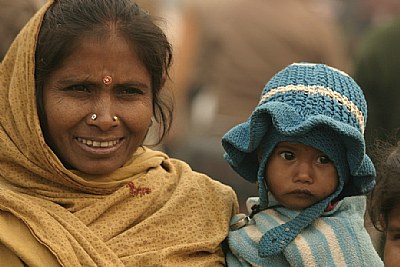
324	160
393	236
78	88
287	155
130	91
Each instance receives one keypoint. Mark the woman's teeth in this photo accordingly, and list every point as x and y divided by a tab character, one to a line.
93	143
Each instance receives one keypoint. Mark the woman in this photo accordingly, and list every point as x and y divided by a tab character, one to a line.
79	88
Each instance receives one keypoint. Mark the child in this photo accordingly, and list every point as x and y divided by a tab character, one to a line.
384	208
304	146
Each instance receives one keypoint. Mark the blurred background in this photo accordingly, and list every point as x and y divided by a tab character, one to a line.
226	50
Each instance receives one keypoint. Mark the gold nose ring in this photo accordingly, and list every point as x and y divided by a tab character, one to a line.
93	117
115	118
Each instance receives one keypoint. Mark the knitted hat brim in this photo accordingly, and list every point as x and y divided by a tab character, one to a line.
242	141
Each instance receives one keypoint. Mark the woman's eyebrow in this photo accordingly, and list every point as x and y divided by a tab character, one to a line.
67	82
393	227
133	84
75	81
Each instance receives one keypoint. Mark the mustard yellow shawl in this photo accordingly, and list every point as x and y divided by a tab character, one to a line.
154	211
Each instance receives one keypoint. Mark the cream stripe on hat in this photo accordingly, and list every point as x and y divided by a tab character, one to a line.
313	89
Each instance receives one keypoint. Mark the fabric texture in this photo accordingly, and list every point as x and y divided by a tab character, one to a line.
153	211
337	238
313	104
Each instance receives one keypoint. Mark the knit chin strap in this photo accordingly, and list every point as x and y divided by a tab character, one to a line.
275	240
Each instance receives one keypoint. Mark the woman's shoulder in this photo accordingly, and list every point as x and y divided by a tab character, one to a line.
184	170
17	241
202	183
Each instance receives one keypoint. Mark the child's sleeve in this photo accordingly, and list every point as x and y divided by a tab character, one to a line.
339	239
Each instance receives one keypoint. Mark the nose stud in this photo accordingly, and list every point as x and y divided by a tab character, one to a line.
94	117
107	80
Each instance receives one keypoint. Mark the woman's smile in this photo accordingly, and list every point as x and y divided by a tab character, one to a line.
94	143
98	106
97	147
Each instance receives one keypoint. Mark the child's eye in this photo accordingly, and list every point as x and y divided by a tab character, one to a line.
324	160
287	155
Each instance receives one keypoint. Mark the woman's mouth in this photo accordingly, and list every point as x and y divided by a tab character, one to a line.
98	144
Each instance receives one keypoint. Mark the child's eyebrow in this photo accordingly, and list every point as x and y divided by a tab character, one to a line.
286	145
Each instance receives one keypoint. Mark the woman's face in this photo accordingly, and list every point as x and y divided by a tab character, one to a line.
392	244
105	78
299	175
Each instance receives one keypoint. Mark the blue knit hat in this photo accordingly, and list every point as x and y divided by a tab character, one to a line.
313	104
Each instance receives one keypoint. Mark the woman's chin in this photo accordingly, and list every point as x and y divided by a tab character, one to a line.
97	168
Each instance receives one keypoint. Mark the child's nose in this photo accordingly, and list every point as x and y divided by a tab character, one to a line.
304	173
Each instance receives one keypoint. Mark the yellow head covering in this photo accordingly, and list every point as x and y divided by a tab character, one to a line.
74	219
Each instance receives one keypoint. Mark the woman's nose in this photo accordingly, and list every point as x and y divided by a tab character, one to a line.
103	116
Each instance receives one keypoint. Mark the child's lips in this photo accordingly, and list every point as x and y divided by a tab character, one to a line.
301	193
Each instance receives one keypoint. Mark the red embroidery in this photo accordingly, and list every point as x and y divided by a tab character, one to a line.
331	206
138	191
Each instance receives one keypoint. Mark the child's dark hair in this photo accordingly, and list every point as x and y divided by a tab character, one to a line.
386	194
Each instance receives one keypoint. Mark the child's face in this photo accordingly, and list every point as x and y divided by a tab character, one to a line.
299	175
392	244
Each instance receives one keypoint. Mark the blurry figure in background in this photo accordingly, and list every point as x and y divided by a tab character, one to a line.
230	49
376	70
381	11
13	16
358	16
384	207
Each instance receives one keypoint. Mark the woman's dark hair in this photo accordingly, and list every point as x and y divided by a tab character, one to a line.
67	22
386	194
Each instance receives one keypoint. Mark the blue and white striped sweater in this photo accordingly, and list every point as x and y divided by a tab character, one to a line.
337	238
